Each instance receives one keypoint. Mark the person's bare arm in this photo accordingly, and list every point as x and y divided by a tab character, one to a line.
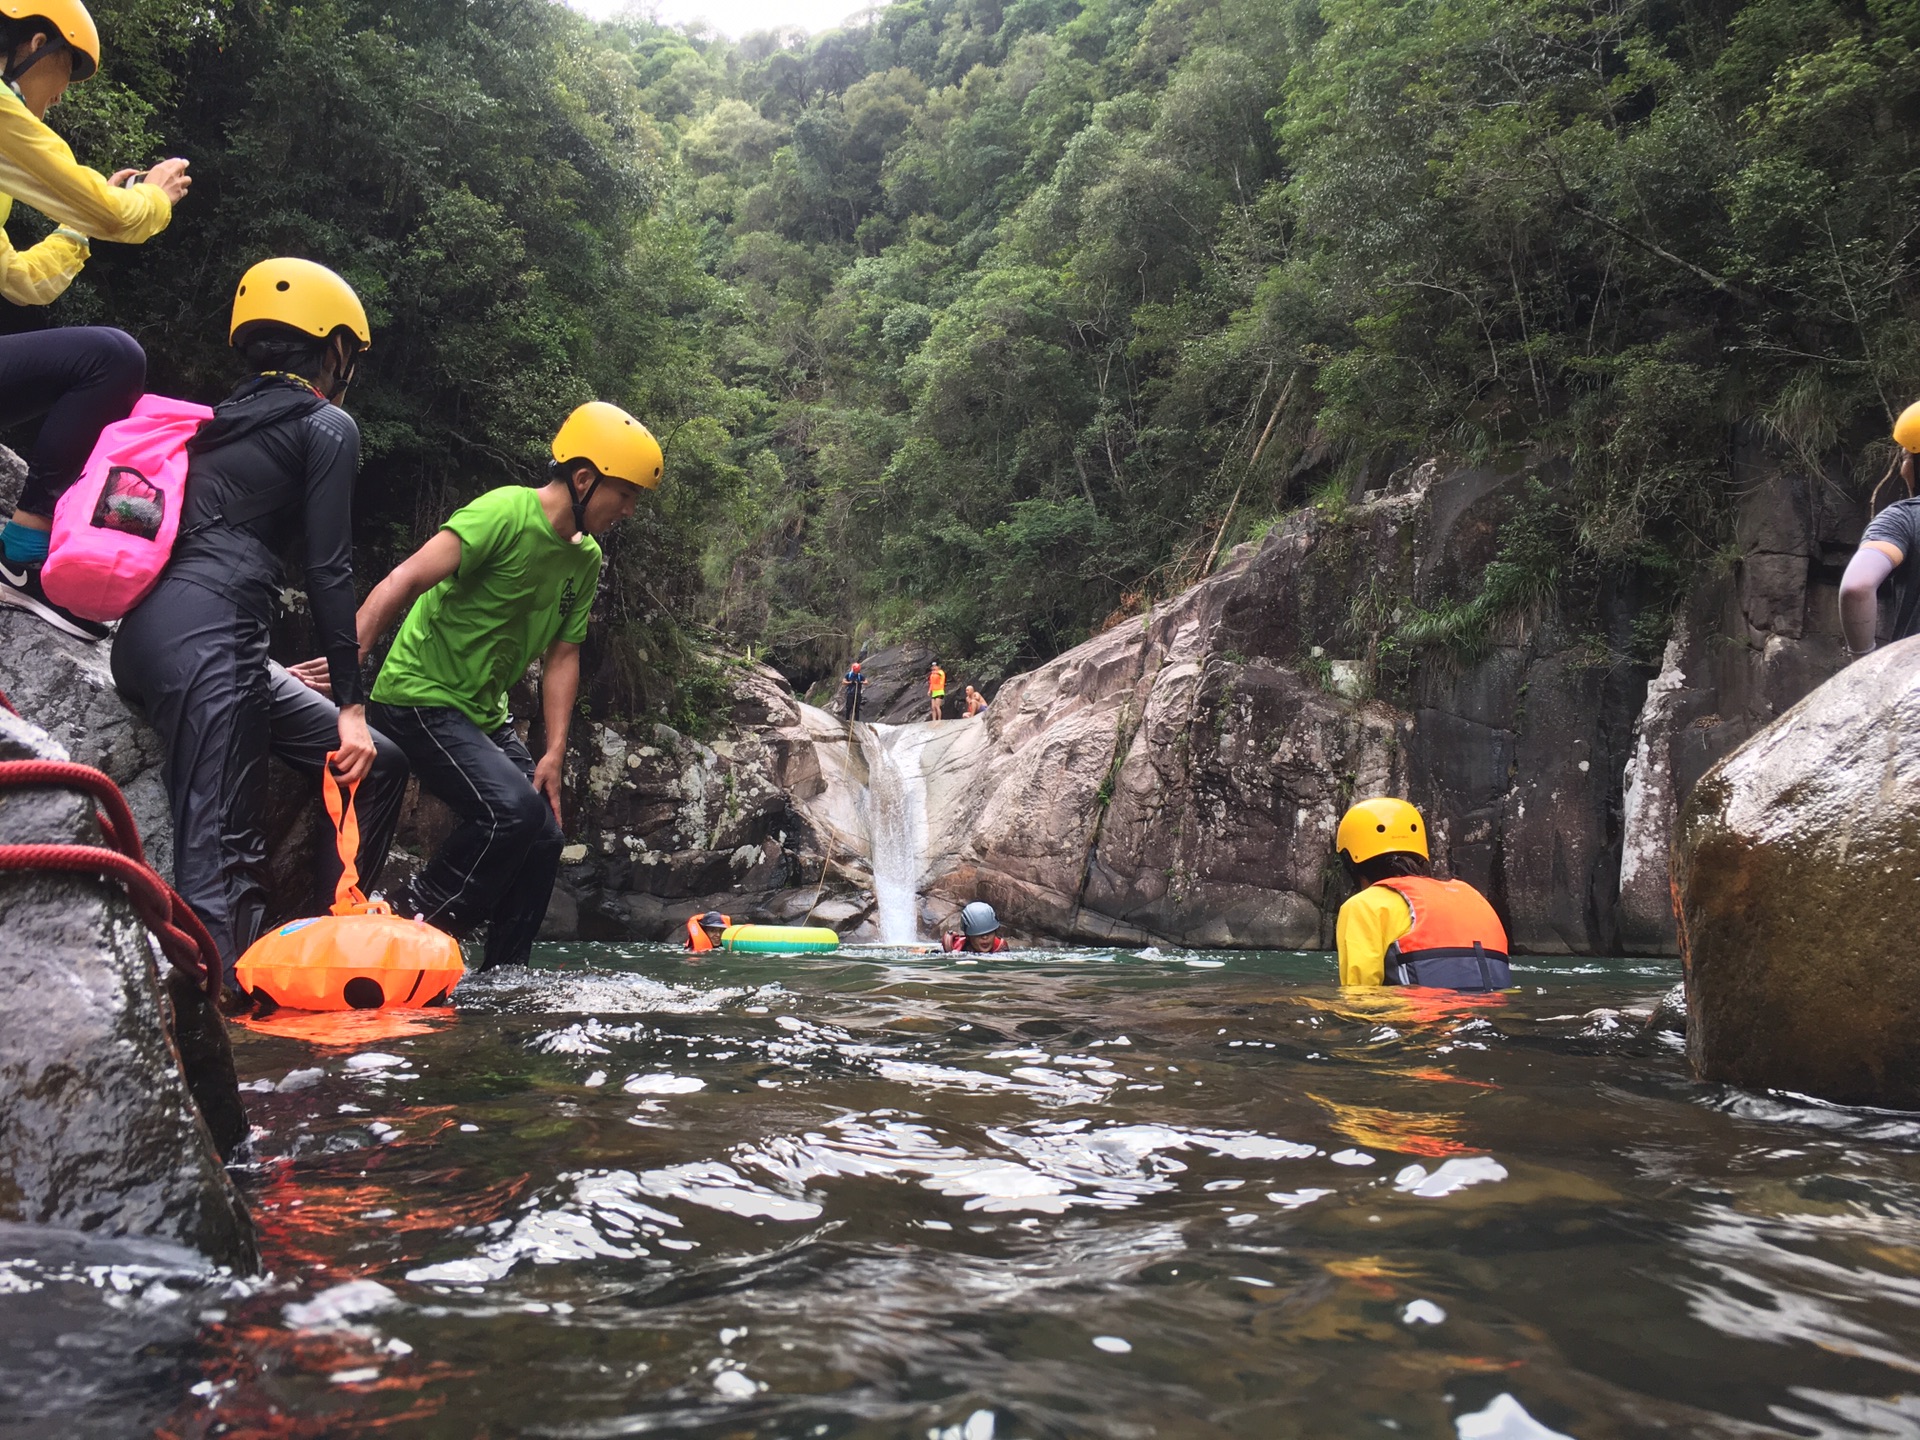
1860	589
559	688
389	601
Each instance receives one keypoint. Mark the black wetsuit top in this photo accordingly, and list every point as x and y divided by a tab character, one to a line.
276	435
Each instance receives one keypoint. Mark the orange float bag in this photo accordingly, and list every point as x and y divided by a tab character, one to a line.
360	956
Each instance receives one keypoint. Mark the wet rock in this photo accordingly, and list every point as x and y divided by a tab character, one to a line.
98	1130
1795	871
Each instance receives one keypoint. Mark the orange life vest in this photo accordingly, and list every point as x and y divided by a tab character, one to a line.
937	682
697	938
1456	943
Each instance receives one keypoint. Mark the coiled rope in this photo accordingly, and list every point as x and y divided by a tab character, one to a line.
183	938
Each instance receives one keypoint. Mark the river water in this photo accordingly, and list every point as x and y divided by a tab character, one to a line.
1085	1193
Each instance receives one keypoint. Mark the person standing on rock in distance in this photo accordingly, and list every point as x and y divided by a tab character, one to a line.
509	578
850	687
1888	549
1403	927
278	458
82	378
936	689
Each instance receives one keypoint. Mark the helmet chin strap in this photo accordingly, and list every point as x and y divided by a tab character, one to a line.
14	72
580	506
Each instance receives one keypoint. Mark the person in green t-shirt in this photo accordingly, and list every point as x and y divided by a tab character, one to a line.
508	579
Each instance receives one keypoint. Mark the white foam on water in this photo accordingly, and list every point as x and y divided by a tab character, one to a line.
735	1385
1256	1147
1352	1157
1423	1312
1505	1418
721	1187
334	1307
604	1218
1453	1175
515	989
663	1084
574	1040
1113	1344
1294	1199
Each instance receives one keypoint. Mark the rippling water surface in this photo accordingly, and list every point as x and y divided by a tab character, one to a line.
1085	1193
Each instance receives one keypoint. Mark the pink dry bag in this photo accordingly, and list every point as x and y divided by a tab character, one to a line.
115	527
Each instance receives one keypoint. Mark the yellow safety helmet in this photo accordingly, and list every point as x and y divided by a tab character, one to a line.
298	294
613	442
1381	827
1906	430
71	19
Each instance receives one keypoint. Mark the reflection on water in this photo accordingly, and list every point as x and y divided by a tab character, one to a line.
1088	1193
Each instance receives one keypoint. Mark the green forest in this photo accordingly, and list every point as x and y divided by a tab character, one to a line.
982	323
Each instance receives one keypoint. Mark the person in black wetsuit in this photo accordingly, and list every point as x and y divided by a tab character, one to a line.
278	458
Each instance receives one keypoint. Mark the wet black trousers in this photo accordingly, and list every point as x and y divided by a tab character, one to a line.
197	665
80	379
498	867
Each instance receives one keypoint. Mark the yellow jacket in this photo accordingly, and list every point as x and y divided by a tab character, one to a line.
1369	922
40	274
38	167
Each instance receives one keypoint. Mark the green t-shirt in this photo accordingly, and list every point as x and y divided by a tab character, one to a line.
519	588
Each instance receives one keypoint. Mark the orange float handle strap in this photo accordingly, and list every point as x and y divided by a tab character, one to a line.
347	899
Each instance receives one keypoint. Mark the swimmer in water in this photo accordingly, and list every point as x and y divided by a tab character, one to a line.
704	931
979	931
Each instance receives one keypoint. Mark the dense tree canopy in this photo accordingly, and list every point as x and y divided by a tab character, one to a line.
978	321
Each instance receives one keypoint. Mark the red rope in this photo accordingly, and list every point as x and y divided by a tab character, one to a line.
183	938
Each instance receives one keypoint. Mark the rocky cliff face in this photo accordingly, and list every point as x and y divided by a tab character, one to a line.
1179	777
1795	869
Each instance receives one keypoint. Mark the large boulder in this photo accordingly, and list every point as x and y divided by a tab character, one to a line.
98	1128
1794	876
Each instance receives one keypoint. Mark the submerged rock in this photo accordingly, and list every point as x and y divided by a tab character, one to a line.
98	1130
1794	875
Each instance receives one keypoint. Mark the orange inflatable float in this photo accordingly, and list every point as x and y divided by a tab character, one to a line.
360	956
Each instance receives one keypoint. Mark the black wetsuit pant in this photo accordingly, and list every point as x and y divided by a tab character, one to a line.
499	866
197	664
80	379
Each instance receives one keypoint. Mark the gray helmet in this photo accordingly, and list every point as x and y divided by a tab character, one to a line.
977	918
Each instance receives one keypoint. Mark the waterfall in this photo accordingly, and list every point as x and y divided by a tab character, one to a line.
896	816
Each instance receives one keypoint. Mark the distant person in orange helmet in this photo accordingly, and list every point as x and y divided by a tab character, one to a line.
704	931
1403	927
851	685
937	689
1890	550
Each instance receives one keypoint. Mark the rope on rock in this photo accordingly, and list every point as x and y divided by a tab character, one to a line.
182	937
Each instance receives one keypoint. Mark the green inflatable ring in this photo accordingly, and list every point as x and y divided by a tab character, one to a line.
778	939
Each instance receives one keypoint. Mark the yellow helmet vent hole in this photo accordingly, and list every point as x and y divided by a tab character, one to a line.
284	285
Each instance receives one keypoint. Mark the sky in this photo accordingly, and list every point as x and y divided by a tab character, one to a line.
733	17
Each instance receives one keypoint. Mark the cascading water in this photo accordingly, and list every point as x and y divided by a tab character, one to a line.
896	829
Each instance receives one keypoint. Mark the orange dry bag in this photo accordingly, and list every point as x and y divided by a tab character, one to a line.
361	956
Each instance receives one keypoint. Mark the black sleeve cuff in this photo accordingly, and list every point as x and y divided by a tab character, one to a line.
345	677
